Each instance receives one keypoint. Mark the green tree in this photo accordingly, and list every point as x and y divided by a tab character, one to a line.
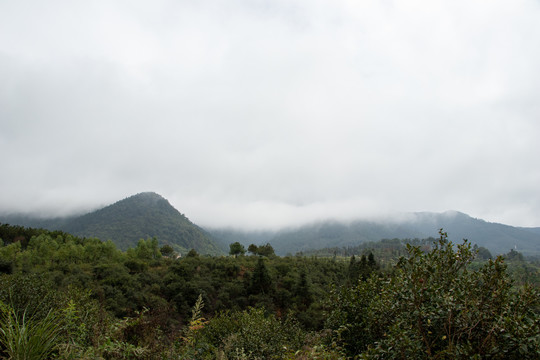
265	250
353	270
167	251
261	282
482	252
192	253
303	290
236	249
253	249
146	249
434	306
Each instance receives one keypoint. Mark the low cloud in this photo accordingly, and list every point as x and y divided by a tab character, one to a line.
266	114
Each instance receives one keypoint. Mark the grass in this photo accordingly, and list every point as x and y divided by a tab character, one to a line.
27	338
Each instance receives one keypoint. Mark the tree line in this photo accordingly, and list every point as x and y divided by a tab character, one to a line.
91	300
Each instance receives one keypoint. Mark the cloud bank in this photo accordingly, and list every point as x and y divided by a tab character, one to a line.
271	113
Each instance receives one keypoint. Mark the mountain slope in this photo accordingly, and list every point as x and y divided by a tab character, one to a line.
125	222
142	216
498	238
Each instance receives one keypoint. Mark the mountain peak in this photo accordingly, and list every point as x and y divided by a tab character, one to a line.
141	216
147	195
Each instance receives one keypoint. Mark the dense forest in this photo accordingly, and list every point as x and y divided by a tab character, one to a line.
147	215
141	216
497	238
68	297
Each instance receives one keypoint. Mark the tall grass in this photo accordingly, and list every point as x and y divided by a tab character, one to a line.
25	337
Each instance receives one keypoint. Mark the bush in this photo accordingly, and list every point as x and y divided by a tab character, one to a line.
434	306
253	333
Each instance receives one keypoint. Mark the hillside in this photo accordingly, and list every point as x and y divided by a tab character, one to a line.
125	222
148	214
498	238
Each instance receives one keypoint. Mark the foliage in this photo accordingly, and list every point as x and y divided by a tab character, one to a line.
252	332
142	216
29	294
236	249
196	323
434	306
167	250
25	337
263	250
143	304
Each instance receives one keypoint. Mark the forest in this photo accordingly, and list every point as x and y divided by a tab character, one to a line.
68	297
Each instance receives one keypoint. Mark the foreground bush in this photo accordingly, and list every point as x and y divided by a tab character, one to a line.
434	307
245	334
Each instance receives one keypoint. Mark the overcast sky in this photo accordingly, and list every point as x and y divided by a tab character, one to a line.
264	113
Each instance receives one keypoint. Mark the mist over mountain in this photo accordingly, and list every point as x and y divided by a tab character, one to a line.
498	238
125	222
148	214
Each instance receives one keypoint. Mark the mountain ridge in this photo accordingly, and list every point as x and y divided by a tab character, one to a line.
148	214
498	238
125	222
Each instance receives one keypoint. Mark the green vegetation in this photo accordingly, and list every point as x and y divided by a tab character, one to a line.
434	306
498	238
67	297
142	216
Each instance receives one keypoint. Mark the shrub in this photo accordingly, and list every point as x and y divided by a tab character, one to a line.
434	306
252	332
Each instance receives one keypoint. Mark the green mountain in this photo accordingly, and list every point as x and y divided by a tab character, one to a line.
498	238
125	222
226	236
150	215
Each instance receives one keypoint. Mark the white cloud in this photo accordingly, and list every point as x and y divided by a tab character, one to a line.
272	111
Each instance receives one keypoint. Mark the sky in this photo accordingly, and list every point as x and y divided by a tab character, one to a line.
271	113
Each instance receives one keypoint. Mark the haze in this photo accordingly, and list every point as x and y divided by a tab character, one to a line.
262	114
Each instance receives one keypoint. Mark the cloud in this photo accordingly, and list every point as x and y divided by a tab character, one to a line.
272	112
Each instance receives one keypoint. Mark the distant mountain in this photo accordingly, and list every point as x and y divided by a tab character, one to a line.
498	238
148	214
225	237
125	222
535	230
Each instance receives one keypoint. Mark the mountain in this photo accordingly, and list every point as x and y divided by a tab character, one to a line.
535	230
148	214
125	222
498	238
225	237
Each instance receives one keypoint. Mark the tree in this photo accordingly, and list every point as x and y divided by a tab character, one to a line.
482	253
265	250
434	306
371	263
261	282
192	253
353	270
303	290
167	251
252	248
236	249
513	255
146	249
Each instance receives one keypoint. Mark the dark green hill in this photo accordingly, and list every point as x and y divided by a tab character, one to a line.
498	238
125	222
143	216
336	234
